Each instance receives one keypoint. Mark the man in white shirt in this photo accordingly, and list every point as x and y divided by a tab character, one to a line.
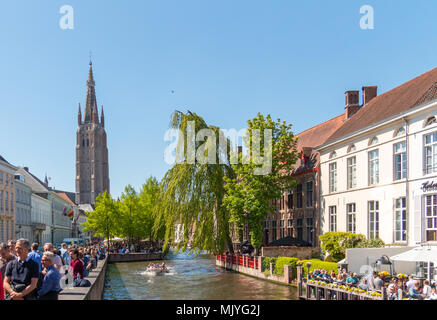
58	262
426	289
410	283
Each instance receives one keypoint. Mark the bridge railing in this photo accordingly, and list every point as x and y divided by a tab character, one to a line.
245	261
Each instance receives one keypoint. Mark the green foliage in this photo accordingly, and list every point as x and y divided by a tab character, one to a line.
318	264
336	243
266	263
281	261
249	193
192	191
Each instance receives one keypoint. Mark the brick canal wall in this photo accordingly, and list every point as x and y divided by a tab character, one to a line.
97	276
287	278
287	251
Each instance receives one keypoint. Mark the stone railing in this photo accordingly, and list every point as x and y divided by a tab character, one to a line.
97	276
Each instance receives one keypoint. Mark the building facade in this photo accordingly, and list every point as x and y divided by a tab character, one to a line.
92	169
379	170
7	200
62	224
23	209
297	211
41	215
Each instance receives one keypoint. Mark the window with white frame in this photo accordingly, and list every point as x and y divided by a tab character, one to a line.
373	219
400	160
400	132
373	141
333	177
351	148
430	153
332	218
400	219
351	217
352	173
374	167
431	217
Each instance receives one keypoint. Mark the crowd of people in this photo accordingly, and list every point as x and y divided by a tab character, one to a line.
26	273
125	248
397	287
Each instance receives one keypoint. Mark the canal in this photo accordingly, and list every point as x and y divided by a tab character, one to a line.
190	278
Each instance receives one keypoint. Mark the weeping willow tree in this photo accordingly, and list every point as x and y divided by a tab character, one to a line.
192	191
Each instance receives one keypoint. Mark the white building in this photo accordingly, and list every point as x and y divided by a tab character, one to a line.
41	219
379	169
23	202
7	203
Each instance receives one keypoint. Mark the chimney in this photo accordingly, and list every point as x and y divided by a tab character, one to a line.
352	103
369	93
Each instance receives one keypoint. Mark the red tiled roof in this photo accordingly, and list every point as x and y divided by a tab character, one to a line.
65	197
419	90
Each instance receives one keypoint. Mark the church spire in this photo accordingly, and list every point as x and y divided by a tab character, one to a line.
91	101
79	116
102	118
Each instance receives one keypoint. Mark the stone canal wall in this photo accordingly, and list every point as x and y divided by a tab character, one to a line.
288	251
97	276
287	278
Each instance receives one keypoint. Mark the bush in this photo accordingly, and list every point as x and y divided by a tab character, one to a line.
336	243
371	243
266	262
319	264
281	261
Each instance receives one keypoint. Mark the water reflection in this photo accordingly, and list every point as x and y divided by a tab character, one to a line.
190	278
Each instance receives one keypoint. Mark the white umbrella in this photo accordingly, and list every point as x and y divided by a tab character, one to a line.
419	254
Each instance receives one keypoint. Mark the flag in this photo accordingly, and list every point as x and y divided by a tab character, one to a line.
70	214
64	212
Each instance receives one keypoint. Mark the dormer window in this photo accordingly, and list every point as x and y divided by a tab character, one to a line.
430	121
351	148
333	155
373	141
400	132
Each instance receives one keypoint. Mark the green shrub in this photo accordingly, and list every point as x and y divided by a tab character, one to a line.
281	261
319	264
371	243
336	243
266	262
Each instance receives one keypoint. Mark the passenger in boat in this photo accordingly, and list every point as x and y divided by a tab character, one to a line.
163	267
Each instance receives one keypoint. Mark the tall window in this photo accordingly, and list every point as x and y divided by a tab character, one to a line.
6	202
299	228
401	219
1	201
299	196
351	217
290	228
430	153
333	218
310	230
273	230
373	167
282	228
290	199
333	177
431	217
309	194
352	173
373	219
1	177
400	160
6	179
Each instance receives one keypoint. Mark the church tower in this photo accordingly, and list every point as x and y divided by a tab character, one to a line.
92	171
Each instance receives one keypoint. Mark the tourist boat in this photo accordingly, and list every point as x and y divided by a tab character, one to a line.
157	270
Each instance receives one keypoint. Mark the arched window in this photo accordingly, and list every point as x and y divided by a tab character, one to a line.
351	148
373	141
400	132
430	121
83	142
332	155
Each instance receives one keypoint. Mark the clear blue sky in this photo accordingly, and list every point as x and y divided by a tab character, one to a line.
226	60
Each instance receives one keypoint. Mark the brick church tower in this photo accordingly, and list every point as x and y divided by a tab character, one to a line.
92	171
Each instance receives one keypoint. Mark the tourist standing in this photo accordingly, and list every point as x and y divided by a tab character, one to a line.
50	285
5	258
2	291
378	283
35	255
64	254
426	289
21	276
410	283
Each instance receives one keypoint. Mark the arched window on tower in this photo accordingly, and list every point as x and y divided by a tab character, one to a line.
83	142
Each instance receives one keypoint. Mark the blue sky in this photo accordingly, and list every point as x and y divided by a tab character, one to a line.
225	60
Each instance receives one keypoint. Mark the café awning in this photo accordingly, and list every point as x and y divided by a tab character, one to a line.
419	254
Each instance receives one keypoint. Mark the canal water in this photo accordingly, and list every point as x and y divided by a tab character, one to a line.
190	278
